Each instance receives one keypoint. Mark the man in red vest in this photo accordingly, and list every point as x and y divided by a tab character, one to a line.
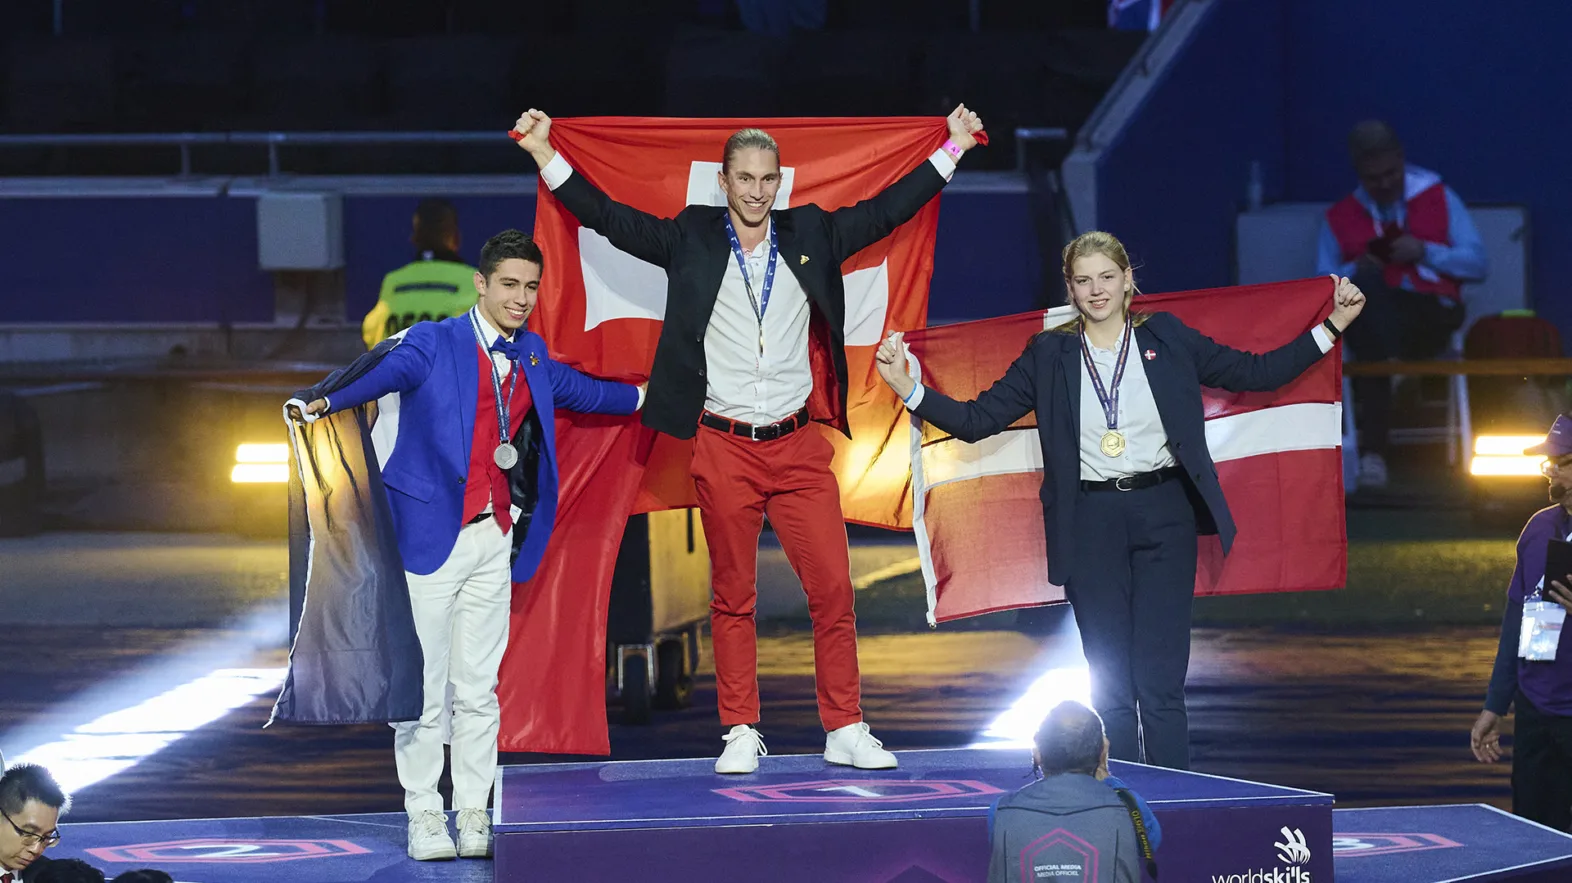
1407	241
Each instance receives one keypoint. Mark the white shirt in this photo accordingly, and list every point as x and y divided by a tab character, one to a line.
741	384
503	363
1146	442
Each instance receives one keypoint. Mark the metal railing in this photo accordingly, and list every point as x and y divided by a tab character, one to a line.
273	141
183	142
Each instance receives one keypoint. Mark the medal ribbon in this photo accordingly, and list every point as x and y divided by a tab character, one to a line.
504	420
1109	401
762	301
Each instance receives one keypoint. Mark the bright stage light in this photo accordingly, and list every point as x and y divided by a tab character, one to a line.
1016	726
114	726
260	464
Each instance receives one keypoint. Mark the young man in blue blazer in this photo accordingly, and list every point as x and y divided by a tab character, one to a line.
468	454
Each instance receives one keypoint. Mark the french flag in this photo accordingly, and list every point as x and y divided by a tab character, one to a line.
975	507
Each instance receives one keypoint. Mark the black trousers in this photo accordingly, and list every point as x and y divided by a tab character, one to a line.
1131	587
1395	324
1542	766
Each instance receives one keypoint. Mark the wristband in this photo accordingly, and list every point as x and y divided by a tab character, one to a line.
1330	328
952	149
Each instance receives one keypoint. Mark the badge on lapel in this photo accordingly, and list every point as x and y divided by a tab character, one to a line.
802	260
535	360
1150	355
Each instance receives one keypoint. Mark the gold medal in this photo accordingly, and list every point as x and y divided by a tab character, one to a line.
1113	443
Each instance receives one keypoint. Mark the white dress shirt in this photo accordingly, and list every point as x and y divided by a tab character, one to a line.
740	383
1146	442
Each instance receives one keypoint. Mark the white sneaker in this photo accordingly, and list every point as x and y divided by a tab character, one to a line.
743	747
853	745
1372	471
474	833
428	837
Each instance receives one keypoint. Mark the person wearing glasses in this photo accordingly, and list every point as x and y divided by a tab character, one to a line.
31	804
1536	681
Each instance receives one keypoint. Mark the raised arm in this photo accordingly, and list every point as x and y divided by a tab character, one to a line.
858	226
1010	398
1224	367
398	364
640	234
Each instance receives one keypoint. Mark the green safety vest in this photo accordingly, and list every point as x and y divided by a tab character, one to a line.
424	290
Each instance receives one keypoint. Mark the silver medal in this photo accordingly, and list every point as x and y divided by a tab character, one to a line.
506	455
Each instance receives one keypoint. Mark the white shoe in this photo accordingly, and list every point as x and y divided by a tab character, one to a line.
854	746
743	747
1372	471
428	837
474	833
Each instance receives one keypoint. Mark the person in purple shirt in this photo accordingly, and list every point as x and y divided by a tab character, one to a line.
1540	692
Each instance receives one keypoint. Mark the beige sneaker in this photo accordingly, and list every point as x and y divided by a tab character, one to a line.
428	837
474	833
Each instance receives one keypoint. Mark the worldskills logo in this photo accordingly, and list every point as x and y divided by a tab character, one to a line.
1292	851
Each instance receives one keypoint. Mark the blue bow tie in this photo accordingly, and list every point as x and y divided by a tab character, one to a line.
511	349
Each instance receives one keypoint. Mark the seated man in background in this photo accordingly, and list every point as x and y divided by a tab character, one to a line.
1407	241
1076	796
434	286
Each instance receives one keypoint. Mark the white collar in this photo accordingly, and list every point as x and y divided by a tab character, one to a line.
769	223
490	333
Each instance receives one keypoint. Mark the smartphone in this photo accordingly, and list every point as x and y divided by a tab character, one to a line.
1558	564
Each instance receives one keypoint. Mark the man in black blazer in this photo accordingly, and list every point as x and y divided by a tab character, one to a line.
752	351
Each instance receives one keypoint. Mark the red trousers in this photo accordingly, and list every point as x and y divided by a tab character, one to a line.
789	479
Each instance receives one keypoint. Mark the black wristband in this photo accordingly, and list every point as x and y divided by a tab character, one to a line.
1330	328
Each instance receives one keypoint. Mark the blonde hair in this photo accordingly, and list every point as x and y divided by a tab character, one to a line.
1097	242
748	139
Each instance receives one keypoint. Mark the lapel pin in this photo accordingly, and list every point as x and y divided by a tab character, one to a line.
803	260
535	360
1150	355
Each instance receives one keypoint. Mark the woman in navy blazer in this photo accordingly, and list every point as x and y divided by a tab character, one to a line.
1106	423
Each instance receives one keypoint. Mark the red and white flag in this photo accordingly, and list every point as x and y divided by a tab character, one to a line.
600	310
977	515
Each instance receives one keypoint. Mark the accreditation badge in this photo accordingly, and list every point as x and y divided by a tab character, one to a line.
1540	634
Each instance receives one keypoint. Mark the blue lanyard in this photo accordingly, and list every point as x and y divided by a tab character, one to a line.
1109	397
504	420
762	301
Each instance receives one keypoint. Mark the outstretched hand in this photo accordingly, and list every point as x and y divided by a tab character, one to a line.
1347	302
891	362
964	126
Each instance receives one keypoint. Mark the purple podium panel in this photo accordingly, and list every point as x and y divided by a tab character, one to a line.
1475	843
799	818
320	849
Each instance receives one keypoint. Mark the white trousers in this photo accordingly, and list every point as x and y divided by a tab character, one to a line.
461	616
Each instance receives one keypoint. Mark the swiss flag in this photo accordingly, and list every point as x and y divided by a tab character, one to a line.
979	520
600	310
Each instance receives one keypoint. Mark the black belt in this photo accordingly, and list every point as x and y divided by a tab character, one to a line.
767	432
1133	482
478	519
